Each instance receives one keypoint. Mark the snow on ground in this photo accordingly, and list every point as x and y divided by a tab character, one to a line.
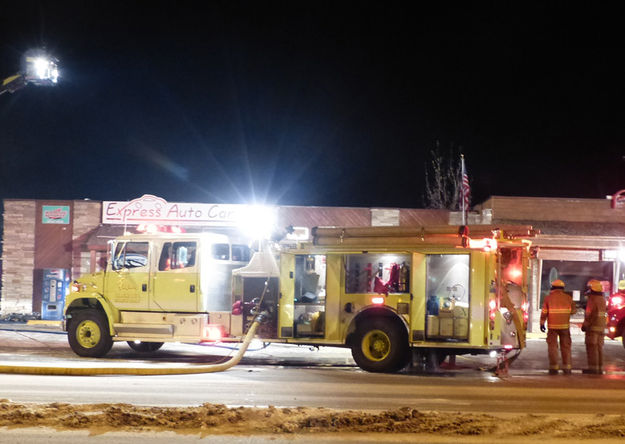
212	419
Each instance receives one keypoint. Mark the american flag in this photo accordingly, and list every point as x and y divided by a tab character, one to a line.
465	190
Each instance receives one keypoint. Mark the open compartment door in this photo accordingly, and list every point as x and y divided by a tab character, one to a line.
286	297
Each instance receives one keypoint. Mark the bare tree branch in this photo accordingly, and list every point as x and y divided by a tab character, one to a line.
442	179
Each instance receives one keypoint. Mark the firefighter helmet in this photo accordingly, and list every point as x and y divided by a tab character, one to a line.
595	286
621	285
557	284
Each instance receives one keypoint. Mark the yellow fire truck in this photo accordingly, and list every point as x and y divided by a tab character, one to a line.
387	293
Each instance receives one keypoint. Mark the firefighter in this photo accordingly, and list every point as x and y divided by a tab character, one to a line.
594	326
557	310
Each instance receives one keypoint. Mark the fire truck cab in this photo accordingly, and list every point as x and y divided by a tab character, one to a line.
156	288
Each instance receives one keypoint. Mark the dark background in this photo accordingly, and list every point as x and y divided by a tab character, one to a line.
312	103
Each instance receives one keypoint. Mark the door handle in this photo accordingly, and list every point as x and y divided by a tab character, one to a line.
192	288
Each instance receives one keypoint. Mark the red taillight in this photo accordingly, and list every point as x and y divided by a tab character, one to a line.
377	300
214	333
492	312
617	302
486	244
526	315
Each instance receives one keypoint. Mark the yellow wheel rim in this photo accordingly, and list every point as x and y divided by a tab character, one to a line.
88	334
376	345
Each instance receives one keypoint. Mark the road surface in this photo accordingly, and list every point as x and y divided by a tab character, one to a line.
290	377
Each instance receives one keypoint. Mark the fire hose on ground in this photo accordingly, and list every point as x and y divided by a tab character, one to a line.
142	371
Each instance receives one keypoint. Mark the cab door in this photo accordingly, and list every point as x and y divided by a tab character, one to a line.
286	297
175	285
128	274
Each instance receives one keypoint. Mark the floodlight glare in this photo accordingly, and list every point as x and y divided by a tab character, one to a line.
258	221
40	68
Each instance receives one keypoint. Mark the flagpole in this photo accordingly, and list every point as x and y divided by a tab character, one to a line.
464	213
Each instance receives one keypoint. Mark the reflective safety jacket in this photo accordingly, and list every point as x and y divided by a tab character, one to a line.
557	310
594	318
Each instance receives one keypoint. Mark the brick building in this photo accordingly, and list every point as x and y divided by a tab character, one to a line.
73	235
579	238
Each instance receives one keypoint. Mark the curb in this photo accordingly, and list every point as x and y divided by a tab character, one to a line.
536	335
44	322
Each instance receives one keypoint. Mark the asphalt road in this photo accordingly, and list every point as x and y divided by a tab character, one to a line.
288	376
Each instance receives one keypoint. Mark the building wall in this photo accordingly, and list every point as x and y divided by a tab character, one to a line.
18	256
87	216
553	209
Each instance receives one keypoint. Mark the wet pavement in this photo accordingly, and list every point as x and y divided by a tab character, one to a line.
46	345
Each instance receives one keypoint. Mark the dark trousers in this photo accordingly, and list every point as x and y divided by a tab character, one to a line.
594	350
565	348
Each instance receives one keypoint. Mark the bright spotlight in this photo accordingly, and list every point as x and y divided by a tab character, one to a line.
258	221
40	68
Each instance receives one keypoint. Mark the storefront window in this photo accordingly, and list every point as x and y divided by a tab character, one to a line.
575	275
377	273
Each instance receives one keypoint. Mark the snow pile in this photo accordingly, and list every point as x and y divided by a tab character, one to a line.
211	419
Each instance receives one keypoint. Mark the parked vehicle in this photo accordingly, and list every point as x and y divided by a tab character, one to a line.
388	293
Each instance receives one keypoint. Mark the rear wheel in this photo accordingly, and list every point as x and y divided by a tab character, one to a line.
380	345
88	333
145	347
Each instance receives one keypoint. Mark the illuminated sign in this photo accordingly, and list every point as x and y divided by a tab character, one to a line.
150	209
55	214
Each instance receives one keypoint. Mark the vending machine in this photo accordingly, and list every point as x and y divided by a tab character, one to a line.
55	287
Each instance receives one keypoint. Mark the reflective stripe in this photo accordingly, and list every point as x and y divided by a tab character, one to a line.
557	310
559	326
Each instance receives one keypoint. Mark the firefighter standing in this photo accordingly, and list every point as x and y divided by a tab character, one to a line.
594	326
557	310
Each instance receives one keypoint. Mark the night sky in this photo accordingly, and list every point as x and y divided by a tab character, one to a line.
312	103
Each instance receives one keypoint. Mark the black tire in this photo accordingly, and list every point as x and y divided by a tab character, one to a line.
88	333
145	347
380	345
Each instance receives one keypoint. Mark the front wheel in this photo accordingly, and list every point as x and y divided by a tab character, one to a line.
145	347
381	346
88	333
